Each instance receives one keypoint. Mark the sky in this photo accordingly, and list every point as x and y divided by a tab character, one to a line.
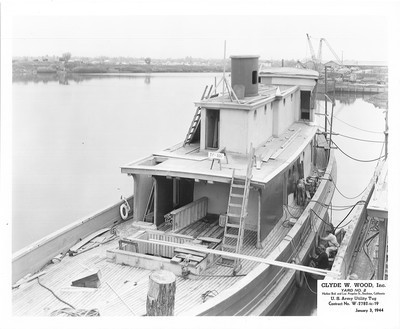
272	36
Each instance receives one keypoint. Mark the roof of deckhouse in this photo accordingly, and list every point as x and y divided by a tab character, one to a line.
266	94
289	72
190	162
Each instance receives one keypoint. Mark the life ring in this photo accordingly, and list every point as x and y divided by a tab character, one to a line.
298	275
124	210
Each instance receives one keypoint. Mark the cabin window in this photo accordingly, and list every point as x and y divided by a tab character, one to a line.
212	129
305	104
254	77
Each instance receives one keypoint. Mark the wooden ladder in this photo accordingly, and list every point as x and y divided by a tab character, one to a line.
149	212
196	119
236	214
193	127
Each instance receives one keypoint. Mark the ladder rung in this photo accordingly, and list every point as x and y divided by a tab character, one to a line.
237	195
235	205
227	246
238	185
233	215
233	236
232	225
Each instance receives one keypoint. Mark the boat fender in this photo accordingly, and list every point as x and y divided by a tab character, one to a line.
124	210
299	275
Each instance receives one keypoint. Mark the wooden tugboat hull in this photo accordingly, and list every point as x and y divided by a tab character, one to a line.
268	290
36	255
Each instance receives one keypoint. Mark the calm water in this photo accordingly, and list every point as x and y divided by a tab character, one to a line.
71	137
69	141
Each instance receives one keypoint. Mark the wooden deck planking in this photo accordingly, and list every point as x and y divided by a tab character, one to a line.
189	291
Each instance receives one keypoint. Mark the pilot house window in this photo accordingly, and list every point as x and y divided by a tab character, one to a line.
254	77
212	129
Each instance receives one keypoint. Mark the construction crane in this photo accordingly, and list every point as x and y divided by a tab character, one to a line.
312	52
301	64
319	58
331	49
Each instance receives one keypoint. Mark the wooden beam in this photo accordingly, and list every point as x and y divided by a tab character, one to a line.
285	145
28	279
296	267
74	249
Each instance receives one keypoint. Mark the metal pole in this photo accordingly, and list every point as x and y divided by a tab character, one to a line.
223	84
326	105
386	130
330	132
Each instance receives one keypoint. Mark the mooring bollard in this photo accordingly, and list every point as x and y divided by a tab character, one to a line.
161	294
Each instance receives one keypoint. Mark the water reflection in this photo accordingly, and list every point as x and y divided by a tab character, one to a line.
64	78
379	100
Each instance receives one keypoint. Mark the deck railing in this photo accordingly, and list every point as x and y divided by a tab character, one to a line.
188	214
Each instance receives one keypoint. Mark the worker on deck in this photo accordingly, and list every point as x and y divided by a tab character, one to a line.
321	260
333	244
300	192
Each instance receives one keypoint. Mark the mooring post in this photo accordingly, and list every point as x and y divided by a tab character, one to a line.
161	294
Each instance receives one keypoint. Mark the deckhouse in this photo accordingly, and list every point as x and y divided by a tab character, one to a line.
260	127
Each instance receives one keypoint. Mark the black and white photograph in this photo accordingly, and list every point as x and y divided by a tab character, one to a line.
228	161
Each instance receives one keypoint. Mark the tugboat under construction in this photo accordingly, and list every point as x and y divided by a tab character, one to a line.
233	212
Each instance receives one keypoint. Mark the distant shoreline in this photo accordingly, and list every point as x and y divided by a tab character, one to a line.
34	68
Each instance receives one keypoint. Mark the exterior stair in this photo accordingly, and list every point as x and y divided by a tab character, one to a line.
193	127
236	214
196	120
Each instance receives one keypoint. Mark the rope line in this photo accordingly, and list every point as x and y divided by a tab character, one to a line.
360	139
355	159
305	276
54	294
72	312
367	242
339	208
368	131
357	203
346	197
320	217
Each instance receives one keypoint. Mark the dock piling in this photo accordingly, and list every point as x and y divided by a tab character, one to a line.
161	294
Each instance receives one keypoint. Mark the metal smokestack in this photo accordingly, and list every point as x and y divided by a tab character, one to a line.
244	75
